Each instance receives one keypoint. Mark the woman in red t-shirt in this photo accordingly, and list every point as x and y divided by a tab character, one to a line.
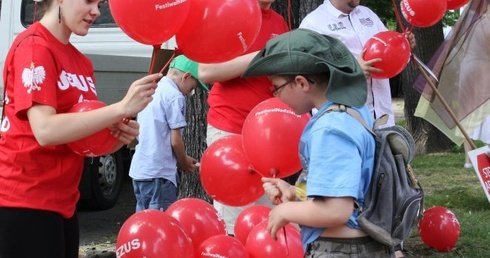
44	76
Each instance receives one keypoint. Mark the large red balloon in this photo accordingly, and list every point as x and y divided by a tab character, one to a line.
217	31
221	246
456	4
248	219
260	243
226	175
151	234
96	144
198	218
394	50
423	13
150	22
271	134
439	228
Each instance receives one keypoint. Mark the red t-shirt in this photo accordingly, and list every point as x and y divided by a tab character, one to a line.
40	69
231	101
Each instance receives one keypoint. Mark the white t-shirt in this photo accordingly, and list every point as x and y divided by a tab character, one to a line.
354	30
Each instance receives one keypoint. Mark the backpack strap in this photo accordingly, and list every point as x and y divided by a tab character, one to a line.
382	120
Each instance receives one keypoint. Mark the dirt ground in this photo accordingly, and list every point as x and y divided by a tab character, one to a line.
99	229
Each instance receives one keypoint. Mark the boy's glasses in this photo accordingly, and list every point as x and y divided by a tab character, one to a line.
275	89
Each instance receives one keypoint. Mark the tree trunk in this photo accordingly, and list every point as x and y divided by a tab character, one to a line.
299	9
427	137
195	142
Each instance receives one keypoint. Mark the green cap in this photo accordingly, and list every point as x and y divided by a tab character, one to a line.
186	65
304	51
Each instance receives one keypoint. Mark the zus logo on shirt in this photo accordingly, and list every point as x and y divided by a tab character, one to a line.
80	82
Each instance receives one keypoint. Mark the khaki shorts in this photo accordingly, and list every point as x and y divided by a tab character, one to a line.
361	247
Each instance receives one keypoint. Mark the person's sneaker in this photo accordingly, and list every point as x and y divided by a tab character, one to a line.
468	165
93	253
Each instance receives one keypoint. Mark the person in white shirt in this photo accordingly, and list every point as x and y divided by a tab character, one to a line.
354	24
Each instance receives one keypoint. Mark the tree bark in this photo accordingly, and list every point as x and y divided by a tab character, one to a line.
195	142
428	138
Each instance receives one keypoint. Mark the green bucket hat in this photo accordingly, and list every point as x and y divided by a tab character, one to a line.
304	51
186	65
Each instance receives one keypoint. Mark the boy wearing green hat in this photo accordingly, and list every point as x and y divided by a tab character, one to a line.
309	70
160	148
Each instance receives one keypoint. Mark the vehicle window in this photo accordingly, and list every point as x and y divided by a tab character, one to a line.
27	14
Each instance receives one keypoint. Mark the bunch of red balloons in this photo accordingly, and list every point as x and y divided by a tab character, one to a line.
152	233
206	31
96	144
177	232
232	166
394	50
226	174
251	231
439	228
191	228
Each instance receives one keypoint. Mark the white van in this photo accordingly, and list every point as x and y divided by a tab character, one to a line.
118	60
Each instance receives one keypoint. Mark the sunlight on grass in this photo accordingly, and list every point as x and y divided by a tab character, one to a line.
448	184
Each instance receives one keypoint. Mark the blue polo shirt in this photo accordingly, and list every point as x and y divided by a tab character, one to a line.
337	154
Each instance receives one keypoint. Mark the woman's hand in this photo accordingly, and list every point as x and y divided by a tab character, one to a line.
125	132
139	94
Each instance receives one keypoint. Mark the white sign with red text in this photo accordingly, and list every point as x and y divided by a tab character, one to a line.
480	158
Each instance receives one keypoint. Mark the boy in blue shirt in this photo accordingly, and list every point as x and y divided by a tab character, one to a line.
160	148
309	70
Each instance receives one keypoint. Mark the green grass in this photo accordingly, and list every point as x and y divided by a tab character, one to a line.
448	184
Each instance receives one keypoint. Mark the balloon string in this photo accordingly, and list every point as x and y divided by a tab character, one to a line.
399	21
289	14
279	201
154	55
274	173
397	15
168	62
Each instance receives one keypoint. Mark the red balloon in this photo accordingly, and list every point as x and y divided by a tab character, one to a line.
248	219
271	134
456	4
96	144
226	175
198	218
260	243
217	31
221	246
150	234
393	47
423	13
439	228
150	22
